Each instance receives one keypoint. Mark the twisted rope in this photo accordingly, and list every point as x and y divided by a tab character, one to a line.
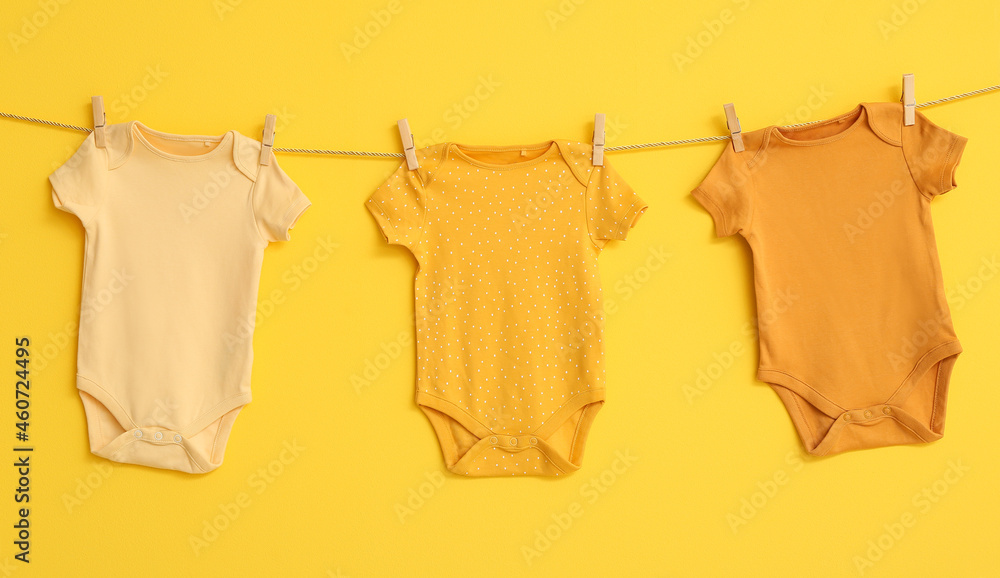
377	154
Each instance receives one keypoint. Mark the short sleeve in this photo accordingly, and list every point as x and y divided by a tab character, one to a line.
932	153
398	207
727	194
78	185
613	208
277	203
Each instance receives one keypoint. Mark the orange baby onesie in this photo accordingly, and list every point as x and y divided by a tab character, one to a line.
855	333
510	367
176	228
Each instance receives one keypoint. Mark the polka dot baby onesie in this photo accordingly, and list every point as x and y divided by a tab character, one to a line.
508	298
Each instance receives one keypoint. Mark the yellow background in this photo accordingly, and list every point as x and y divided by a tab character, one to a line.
342	504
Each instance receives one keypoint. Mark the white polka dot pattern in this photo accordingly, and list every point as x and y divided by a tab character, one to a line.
508	297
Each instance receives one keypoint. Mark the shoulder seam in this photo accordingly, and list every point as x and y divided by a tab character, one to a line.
878	130
126	154
238	160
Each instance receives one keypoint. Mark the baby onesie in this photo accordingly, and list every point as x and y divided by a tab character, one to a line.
510	367
855	333
176	228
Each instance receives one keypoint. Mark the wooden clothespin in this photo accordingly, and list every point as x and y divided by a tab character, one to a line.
733	122
599	140
909	101
408	149
267	139
100	121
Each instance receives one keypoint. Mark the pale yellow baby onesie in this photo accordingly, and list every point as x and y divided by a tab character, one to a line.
176	228
508	308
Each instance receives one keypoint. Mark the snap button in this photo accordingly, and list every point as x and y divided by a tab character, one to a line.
887	410
158	435
847	417
138	433
513	441
533	441
868	413
177	438
493	440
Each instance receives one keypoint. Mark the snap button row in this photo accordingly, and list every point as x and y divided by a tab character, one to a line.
512	440
868	413
887	410
156	436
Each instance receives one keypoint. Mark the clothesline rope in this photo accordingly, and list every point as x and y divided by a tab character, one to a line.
649	145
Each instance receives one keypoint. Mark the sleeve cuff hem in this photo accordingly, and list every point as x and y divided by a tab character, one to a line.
718	217
948	181
629	220
292	216
384	226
